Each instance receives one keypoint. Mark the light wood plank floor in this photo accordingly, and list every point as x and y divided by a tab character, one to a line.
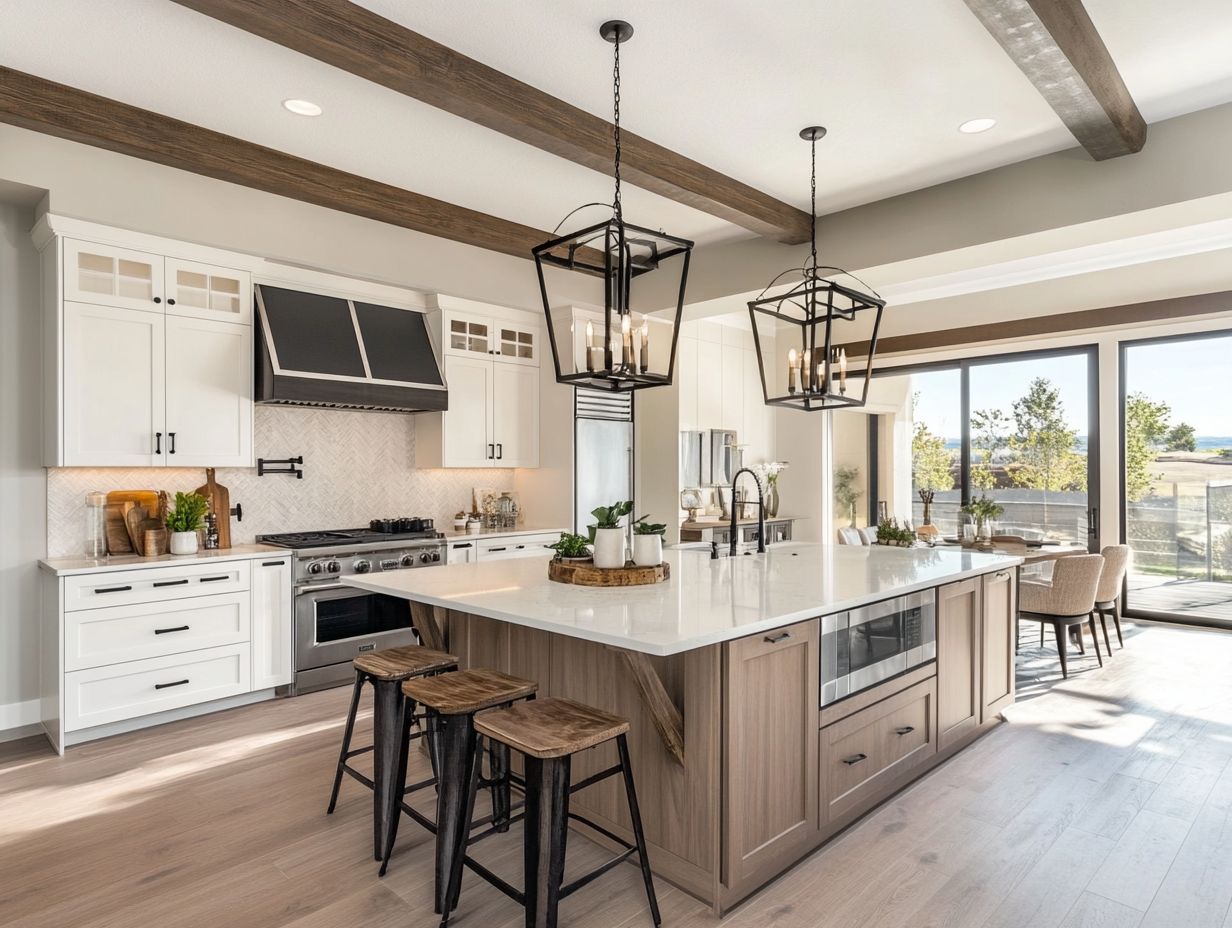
1104	801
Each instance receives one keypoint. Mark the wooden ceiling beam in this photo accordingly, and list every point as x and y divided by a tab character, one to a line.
356	40
1055	44
56	109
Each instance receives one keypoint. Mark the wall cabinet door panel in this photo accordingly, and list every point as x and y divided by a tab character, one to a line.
105	275
209	393
113	387
515	415
731	413
467	426
772	716
709	384
208	292
959	656
1000	613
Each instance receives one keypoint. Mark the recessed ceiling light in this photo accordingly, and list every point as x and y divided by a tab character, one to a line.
972	126
302	107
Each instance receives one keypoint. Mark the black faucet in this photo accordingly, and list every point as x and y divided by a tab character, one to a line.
761	515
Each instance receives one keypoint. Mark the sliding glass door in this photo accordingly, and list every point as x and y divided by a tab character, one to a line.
1176	481
1020	429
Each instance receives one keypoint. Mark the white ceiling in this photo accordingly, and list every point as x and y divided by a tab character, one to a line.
727	83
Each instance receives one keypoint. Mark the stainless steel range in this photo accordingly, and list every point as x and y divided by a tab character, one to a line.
335	622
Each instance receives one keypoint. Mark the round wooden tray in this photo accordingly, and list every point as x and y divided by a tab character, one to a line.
585	573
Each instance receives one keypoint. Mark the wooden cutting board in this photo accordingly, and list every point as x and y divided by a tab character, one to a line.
118	541
146	499
134	520
220	505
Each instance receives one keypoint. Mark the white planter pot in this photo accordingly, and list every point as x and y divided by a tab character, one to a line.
647	550
183	543
609	547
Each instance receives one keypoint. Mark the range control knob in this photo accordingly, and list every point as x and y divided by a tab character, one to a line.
361	566
315	567
333	567
408	560
425	558
436	555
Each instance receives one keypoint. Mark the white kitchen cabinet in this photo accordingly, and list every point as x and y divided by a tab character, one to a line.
515	415
686	376
492	372
462	551
709	385
105	275
207	292
272	623
209	393
113	389
509	547
731	412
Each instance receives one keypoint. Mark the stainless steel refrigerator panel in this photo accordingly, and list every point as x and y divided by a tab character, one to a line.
604	456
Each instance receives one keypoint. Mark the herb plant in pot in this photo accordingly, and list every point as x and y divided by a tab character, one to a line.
984	510
609	535
184	520
648	543
571	547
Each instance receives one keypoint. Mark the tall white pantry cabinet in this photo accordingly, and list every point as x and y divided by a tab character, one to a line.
148	353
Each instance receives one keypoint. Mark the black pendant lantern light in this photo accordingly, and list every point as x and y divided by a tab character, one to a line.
613	350
801	336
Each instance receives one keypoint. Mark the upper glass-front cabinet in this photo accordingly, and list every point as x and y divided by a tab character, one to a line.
469	336
110	276
208	292
517	344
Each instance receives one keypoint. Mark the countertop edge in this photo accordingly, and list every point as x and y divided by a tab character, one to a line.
73	566
372	584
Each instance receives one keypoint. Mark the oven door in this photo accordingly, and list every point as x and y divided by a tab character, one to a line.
335	623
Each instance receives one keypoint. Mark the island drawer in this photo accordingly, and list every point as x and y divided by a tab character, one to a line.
124	691
97	637
865	756
514	546
154	584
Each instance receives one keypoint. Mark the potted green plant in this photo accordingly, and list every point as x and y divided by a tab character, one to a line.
609	536
983	509
571	547
648	543
459	521
184	520
889	532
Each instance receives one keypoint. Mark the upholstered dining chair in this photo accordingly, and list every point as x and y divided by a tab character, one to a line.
849	536
1067	600
868	535
1107	597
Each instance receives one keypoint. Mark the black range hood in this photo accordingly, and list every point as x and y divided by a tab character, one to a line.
315	350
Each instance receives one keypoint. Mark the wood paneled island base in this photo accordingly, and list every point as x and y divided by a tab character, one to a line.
764	775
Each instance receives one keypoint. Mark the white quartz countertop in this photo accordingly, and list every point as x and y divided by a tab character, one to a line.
62	566
704	602
454	534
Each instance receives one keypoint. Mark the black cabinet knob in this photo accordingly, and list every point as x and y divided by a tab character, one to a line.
158	299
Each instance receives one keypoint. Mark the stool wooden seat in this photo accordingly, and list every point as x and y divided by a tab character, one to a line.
551	727
392	717
399	664
468	691
548	732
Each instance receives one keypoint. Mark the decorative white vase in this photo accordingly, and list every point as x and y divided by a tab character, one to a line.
609	547
648	550
183	542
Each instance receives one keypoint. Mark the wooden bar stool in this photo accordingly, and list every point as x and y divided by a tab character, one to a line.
451	701
548	732
391	716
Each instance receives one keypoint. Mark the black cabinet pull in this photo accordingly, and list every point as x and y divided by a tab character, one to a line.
170	301
775	639
905	730
272	563
497	549
171	437
163	686
466	545
852	761
167	631
158	442
215	579
159	583
111	589
158	299
500	451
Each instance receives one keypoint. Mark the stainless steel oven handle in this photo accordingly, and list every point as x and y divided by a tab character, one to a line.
320	587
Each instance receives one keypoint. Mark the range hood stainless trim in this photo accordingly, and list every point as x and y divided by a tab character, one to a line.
278	385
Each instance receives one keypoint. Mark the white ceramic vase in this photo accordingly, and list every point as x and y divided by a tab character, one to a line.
648	550
609	547
183	543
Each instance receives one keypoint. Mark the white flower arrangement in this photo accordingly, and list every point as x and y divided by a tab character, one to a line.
768	474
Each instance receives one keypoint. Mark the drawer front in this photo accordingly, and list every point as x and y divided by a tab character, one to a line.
97	637
124	691
493	549
154	584
865	756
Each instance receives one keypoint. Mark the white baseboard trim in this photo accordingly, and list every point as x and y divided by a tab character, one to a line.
160	718
17	719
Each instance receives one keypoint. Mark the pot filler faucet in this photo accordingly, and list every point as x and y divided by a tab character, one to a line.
761	515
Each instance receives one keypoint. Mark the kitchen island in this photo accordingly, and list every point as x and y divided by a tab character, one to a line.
741	770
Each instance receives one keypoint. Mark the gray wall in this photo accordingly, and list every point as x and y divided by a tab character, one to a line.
23	526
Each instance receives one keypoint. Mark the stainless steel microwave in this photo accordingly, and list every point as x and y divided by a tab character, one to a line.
862	647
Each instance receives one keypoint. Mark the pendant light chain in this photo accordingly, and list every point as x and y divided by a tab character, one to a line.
616	207
813	211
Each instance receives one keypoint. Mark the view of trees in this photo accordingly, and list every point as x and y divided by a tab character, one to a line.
931	460
1148	431
1043	447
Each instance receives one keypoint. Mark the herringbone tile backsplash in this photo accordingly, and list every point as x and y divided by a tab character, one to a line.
358	466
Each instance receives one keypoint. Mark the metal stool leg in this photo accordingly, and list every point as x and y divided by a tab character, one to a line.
547	830
387	724
638	837
458	754
453	884
408	713
346	741
498	757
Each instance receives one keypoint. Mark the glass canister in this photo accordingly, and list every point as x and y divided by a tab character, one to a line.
96	525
